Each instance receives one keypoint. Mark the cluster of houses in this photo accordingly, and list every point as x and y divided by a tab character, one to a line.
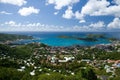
115	63
53	59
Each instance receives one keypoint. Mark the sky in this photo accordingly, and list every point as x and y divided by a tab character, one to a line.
60	15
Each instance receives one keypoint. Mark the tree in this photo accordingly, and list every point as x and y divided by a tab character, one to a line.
88	74
117	71
26	77
10	74
52	76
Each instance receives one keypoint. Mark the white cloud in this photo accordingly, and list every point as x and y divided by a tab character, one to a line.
55	13
4	12
99	24
112	10
93	6
11	23
14	26
28	11
80	28
68	13
117	2
101	7
98	8
79	16
82	21
14	2
115	24
59	4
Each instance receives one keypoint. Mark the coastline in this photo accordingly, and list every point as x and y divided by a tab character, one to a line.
52	39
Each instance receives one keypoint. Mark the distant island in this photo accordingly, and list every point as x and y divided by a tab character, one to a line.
13	37
88	37
96	36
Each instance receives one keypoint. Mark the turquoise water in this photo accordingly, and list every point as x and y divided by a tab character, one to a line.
52	39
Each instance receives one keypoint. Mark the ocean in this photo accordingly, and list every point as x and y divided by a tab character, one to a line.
52	39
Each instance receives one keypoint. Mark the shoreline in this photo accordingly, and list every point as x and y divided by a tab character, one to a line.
117	42
68	43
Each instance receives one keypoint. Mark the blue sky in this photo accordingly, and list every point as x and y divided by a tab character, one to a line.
59	15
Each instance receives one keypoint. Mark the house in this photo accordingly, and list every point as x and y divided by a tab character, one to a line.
108	69
22	68
69	58
53	59
32	73
86	60
62	61
66	59
117	65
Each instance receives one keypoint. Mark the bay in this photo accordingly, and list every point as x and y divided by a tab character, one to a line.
52	39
